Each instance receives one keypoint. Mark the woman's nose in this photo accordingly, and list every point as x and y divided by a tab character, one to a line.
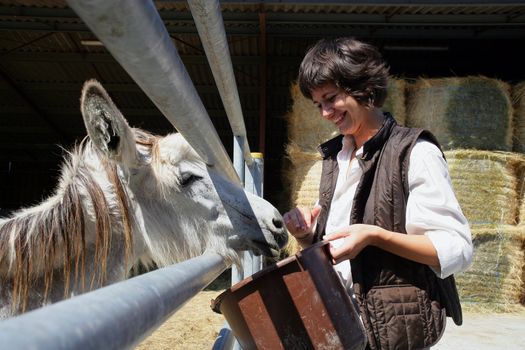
326	111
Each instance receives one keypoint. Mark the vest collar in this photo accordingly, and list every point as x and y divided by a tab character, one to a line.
333	146
378	140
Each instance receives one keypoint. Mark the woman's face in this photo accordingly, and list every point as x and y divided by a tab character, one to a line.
340	108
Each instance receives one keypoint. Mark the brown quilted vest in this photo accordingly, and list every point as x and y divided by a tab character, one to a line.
403	304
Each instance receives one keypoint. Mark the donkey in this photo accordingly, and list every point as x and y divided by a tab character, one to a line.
125	196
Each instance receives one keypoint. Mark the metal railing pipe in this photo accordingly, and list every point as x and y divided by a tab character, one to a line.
118	316
208	20
135	35
254	183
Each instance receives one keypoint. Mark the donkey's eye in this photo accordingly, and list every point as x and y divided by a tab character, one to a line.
188	179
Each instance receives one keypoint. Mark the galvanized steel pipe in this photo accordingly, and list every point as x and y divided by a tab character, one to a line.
135	35
208	20
115	317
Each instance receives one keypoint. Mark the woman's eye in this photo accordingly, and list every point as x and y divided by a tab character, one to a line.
188	179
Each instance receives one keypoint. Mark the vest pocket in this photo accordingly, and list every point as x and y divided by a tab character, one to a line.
404	317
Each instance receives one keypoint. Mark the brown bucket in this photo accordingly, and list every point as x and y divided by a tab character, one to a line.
299	303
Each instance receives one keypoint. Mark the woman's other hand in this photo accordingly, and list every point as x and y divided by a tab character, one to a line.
417	248
300	222
356	237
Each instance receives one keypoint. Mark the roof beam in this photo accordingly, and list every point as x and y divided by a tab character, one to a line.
106	57
111	87
394	30
389	32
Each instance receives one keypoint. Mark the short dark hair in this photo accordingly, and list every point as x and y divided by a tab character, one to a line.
350	64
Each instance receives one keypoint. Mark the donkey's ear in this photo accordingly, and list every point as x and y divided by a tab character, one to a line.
106	126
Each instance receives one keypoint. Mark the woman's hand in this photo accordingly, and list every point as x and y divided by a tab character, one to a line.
356	237
417	248
300	222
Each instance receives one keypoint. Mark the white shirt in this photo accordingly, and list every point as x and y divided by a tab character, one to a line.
432	208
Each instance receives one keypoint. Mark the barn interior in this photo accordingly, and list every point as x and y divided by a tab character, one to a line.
47	52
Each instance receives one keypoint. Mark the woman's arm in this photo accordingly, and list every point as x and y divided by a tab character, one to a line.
417	248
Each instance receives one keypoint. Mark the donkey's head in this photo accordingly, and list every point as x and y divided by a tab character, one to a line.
181	207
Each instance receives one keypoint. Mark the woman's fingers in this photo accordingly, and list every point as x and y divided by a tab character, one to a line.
300	220
337	234
290	221
294	221
343	252
356	237
315	213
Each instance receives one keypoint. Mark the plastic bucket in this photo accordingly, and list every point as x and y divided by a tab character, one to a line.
299	303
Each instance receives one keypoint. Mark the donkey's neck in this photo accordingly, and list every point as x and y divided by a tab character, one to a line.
76	240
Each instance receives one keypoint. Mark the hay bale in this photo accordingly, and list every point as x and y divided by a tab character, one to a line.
494	282
471	112
485	184
307	129
301	178
518	97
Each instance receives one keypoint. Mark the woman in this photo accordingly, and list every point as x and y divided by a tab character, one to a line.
386	202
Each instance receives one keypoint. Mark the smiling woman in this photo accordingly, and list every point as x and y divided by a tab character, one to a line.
385	201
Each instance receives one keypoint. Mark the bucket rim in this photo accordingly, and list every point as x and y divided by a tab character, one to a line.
216	303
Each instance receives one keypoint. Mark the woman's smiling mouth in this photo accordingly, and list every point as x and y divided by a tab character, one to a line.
339	119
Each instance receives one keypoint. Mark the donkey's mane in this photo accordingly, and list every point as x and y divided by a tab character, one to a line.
38	242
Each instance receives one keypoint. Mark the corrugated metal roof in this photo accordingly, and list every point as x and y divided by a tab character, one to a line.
374	7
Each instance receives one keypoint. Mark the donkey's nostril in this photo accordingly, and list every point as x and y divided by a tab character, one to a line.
278	223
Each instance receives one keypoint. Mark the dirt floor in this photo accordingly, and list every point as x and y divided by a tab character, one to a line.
195	326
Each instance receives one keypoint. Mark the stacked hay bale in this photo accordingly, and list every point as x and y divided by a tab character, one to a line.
494	282
473	119
518	97
471	112
305	172
485	183
306	130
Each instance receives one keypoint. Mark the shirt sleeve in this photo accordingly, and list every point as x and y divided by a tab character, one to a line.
433	210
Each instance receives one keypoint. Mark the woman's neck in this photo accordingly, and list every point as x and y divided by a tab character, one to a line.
374	121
